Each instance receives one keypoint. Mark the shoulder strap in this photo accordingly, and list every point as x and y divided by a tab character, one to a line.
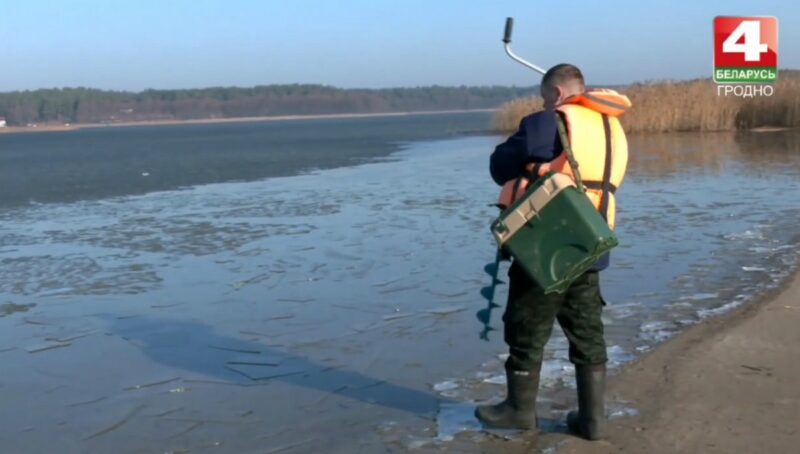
606	170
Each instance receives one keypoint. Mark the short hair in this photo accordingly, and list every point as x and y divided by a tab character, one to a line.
563	74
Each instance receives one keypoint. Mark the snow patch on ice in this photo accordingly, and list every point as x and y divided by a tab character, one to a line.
699	296
621	409
555	371
706	313
753	268
618	356
496	380
746	235
657	331
446	385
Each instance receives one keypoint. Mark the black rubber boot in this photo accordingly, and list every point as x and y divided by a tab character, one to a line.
590	419
518	411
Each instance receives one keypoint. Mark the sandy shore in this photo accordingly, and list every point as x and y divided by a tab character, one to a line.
73	127
727	385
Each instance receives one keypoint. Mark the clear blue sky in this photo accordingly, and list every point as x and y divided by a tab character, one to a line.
131	45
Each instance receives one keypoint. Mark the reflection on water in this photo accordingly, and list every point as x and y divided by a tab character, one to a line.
372	275
667	155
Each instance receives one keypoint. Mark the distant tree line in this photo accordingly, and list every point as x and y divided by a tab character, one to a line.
86	105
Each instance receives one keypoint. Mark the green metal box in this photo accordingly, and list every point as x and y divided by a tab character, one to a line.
554	232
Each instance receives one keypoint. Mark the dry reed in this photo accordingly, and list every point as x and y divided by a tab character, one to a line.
687	106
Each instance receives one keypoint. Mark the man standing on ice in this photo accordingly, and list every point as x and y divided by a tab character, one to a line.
600	148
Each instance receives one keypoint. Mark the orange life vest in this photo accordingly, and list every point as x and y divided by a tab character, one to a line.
598	144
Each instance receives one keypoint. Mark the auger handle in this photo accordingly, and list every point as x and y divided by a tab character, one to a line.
509	29
507	43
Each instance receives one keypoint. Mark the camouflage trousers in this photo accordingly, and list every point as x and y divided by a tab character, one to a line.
529	316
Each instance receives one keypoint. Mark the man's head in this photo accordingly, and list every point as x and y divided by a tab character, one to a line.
559	83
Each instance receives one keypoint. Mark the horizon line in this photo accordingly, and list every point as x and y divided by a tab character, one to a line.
322	85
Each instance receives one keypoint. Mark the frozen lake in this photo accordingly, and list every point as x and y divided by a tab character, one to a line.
336	309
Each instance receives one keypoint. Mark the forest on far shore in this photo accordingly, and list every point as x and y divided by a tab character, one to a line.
87	105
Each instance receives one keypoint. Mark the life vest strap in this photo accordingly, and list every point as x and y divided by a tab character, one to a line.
598	186
606	185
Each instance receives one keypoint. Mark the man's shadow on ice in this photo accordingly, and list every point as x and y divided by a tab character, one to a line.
195	347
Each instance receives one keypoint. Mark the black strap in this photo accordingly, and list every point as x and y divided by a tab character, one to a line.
598	186
536	169
517	183
606	185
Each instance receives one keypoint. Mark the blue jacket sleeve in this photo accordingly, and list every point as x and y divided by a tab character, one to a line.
535	141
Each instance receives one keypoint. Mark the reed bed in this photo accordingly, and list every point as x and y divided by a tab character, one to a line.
687	106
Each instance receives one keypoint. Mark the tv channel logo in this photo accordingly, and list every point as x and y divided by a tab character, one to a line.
745	50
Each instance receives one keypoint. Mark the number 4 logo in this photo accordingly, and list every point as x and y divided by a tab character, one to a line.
745	49
752	47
